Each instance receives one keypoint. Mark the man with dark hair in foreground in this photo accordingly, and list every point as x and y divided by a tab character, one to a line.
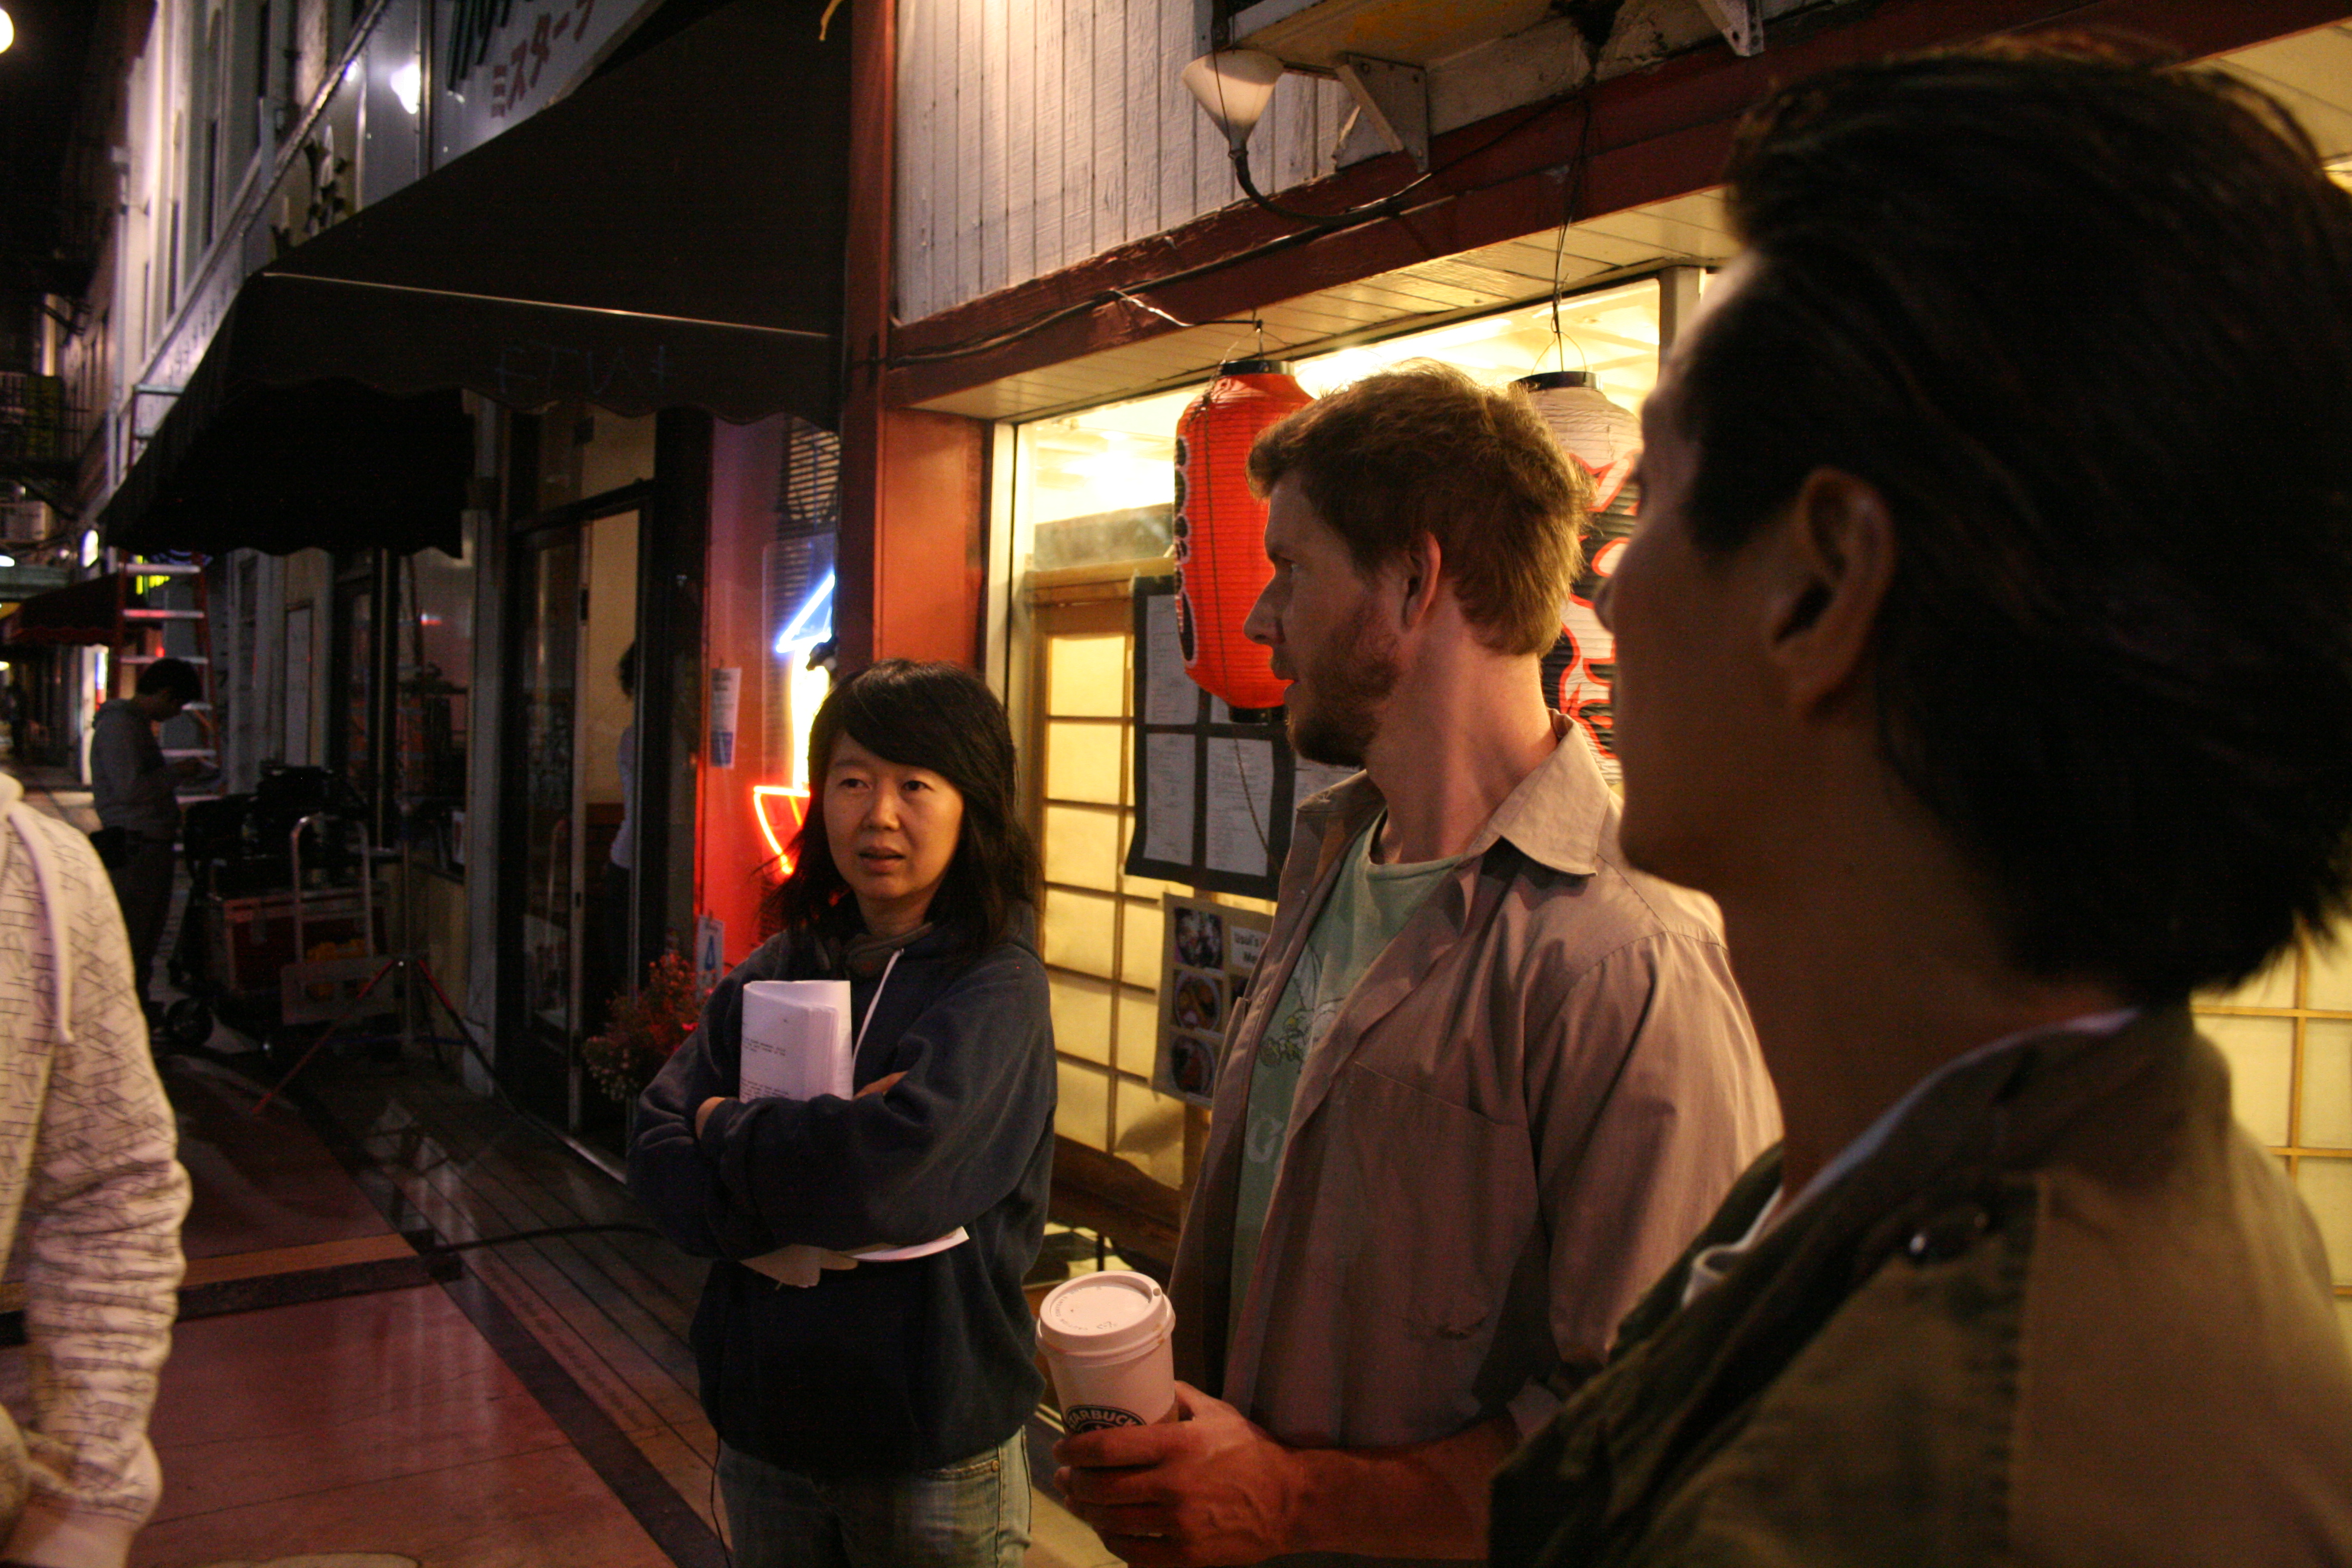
1985	651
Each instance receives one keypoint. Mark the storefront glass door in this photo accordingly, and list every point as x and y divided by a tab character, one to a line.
577	589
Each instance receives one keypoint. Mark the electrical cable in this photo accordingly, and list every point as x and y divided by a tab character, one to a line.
1326	224
1361	212
1572	198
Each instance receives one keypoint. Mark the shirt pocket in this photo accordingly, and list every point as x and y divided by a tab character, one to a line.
1446	1200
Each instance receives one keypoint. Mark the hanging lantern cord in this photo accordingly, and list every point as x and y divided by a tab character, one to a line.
1559	341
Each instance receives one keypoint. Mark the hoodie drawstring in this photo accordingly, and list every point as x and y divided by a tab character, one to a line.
872	1003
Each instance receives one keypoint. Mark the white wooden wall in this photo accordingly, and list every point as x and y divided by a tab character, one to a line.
1035	134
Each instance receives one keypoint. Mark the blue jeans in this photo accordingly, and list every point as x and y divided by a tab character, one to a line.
971	1514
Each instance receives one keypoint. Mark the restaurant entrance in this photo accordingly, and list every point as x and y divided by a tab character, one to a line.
570	775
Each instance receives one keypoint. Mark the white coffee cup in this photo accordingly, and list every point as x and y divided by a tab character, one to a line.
1106	1339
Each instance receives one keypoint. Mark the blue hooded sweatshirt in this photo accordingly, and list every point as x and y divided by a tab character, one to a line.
885	1367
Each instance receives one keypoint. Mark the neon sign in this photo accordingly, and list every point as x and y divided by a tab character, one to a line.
781	811
805	629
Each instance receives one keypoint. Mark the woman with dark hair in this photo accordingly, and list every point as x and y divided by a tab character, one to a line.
875	1415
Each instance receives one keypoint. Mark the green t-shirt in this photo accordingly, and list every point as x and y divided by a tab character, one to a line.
1369	905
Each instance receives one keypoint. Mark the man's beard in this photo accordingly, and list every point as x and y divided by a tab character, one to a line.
1349	683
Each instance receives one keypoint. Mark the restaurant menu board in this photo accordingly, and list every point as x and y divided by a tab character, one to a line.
1210	952
1212	796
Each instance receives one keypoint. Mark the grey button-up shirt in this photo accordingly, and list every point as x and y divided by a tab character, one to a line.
1530	1103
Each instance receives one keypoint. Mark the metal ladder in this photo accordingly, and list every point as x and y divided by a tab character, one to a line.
155	621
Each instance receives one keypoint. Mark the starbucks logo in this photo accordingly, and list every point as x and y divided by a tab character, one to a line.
1080	1418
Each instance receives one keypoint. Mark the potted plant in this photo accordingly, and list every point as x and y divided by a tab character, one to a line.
645	1028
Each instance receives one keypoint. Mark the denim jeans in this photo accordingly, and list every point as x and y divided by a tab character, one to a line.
971	1514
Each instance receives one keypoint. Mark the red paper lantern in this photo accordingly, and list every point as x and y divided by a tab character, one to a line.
1220	527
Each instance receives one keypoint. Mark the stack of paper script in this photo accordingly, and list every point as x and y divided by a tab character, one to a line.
796	1044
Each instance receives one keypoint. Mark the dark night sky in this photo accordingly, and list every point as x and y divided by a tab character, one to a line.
38	80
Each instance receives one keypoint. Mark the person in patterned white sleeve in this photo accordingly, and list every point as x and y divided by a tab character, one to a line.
91	1198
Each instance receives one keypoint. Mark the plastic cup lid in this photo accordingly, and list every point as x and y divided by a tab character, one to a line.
1104	1314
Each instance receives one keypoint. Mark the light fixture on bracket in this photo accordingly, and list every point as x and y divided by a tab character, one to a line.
1234	85
1741	23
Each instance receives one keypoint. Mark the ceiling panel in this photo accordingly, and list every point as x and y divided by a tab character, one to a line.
2312	74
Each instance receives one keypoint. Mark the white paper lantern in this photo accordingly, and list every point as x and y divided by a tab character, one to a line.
1602	437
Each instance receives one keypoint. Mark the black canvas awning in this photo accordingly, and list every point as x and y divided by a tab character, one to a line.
668	235
80	615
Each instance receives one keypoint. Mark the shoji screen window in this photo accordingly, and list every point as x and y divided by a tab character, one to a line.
1101	928
2288	1035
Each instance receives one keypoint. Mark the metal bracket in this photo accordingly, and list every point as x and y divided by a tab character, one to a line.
1741	23
1394	98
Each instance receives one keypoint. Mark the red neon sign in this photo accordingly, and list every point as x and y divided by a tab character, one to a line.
781	810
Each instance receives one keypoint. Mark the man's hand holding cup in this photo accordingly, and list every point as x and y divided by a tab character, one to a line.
1208	1488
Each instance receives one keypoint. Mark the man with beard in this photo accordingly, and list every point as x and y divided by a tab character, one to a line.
1488	1080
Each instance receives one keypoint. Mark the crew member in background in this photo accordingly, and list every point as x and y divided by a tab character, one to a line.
132	791
1489	1079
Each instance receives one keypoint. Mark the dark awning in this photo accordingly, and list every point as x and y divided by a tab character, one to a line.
668	235
86	614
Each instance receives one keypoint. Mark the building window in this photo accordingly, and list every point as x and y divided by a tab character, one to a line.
2287	1034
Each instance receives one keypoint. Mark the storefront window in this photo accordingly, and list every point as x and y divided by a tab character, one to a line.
353	672
767	613
2288	1036
1613	334
1092	498
1100	929
434	659
1097	486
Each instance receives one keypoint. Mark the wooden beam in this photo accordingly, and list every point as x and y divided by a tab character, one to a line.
866	322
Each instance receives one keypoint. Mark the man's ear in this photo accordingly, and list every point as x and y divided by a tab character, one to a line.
1834	562
1417	572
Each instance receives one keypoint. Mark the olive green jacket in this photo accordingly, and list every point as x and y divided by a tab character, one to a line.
2066	1314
